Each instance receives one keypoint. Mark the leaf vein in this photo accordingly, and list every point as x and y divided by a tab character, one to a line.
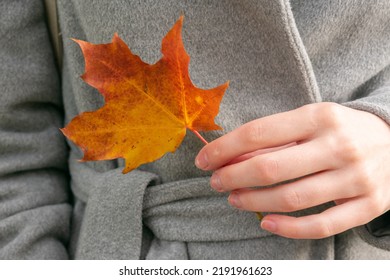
153	99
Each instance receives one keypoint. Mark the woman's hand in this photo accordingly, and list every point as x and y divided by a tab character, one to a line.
339	154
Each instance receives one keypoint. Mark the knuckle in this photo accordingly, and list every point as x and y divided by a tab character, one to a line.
215	152
226	180
349	149
311	114
344	148
254	133
330	115
375	204
365	179
325	229
268	170
290	200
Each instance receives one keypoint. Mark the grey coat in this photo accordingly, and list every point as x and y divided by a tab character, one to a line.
278	55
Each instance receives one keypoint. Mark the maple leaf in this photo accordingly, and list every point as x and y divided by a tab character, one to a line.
147	107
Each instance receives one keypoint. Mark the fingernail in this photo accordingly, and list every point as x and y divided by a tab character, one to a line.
201	161
268	225
234	200
215	182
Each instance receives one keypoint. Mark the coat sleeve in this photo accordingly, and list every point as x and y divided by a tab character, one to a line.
375	97
34	196
376	100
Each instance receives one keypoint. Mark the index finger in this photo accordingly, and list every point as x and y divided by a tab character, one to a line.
271	131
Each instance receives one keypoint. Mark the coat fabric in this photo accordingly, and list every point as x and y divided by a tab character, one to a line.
278	55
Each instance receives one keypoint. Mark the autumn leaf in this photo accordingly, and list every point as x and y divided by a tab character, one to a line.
147	107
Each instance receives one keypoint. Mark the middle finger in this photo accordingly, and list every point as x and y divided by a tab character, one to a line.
271	168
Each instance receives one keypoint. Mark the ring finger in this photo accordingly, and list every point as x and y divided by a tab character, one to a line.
305	193
271	168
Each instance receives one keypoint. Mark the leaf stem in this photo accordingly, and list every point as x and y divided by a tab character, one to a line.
199	136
